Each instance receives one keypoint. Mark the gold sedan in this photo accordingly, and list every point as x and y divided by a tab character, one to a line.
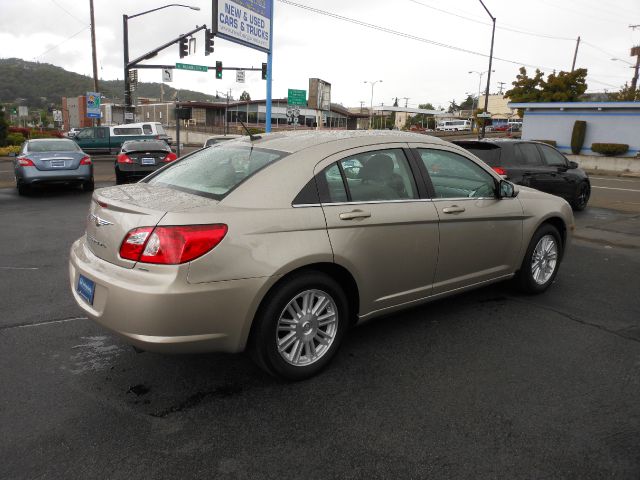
278	244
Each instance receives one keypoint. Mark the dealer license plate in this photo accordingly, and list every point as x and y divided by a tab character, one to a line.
148	161
86	288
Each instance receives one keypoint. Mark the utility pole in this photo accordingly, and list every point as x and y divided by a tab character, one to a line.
406	101
486	98
635	52
502	84
575	55
93	52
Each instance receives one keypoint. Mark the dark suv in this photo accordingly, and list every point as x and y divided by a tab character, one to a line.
536	165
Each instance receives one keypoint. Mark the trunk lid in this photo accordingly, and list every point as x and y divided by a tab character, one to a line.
56	160
114	211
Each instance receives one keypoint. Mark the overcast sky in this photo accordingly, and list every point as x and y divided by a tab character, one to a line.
306	44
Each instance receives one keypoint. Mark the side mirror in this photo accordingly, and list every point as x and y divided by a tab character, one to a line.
573	164
507	190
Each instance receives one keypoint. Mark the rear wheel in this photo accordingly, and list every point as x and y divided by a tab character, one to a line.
542	260
22	188
582	196
300	326
88	186
120	178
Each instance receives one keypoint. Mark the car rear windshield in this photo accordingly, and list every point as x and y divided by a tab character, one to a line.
146	146
215	171
53	146
487	152
160	130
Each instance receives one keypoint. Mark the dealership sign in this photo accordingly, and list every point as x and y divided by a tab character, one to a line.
93	105
247	22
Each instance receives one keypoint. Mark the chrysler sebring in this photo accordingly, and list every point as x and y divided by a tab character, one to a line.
278	244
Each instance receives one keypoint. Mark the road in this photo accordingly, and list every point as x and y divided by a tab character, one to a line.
492	384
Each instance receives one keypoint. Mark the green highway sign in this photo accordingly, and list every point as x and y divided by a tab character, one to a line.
193	68
297	97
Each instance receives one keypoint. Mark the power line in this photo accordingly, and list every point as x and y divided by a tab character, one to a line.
499	27
405	35
65	40
67	12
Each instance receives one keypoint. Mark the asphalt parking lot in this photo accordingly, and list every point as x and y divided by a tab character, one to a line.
492	384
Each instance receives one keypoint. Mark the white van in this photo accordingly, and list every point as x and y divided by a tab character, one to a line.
454	125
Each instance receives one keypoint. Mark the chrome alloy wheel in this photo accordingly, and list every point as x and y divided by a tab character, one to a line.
544	259
307	327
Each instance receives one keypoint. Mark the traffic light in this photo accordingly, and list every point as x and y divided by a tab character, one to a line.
208	42
218	70
264	71
184	47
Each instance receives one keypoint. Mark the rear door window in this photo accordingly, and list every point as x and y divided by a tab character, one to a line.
552	157
527	154
146	128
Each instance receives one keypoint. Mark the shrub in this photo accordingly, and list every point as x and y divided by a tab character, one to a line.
577	136
610	148
553	143
5	151
15	139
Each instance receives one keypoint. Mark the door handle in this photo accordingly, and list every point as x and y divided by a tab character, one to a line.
453	209
354	214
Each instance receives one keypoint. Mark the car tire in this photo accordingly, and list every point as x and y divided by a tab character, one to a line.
23	189
583	193
120	178
541	261
88	186
288	333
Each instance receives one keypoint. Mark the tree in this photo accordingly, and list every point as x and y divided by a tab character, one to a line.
468	103
626	94
245	97
525	88
564	86
4	129
453	106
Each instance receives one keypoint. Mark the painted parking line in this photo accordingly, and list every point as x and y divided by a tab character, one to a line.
619	189
614	179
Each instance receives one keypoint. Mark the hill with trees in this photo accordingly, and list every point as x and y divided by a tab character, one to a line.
42	85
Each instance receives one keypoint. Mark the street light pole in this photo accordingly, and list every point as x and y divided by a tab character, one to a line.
125	41
371	108
476	102
486	97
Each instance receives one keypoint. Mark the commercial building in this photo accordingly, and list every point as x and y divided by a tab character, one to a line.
607	122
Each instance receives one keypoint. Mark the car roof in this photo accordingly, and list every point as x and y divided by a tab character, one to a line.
293	141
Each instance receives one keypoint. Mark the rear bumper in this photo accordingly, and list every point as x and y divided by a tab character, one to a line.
158	310
30	175
128	170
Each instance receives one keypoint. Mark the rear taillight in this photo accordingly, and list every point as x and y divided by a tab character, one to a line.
170	157
26	162
124	158
171	245
500	171
86	160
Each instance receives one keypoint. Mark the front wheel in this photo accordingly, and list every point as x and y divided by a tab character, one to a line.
542	260
300	326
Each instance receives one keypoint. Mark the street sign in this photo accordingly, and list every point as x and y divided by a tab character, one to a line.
167	75
297	97
57	115
128	115
484	115
23	111
247	22
192	68
240	76
93	105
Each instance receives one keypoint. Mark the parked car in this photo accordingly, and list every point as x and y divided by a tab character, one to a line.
52	160
110	139
138	158
536	165
72	132
219	138
267	245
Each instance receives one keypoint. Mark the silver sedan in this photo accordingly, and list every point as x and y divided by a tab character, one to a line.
52	160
